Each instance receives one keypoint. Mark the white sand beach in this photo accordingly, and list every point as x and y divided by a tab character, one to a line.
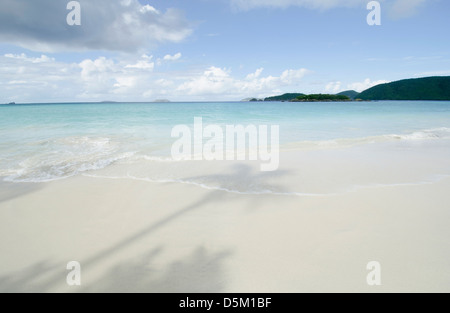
208	231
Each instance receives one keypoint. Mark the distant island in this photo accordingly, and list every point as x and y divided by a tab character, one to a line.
349	93
428	88
321	98
251	100
285	97
161	101
300	97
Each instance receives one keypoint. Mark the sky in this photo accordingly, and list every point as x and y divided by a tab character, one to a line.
214	50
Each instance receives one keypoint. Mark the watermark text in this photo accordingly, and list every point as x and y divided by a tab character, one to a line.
230	143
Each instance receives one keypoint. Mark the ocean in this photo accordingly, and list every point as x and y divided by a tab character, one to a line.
46	142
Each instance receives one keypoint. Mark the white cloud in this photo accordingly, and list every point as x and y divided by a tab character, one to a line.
30	79
366	84
90	69
97	76
255	74
164	83
333	87
149	8
214	80
110	25
174	57
169	58
125	82
143	64
218	81
26	78
41	59
289	77
17	82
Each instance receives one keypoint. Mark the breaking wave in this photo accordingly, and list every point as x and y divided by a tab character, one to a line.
56	159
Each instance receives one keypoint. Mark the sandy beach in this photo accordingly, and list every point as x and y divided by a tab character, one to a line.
386	203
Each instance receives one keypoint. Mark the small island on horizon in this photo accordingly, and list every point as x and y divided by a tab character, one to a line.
322	98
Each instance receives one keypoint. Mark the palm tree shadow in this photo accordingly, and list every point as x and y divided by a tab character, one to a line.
202	272
178	277
243	179
43	276
28	279
9	191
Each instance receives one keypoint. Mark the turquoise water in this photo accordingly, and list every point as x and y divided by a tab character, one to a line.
42	142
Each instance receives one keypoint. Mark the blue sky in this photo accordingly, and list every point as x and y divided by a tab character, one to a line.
130	50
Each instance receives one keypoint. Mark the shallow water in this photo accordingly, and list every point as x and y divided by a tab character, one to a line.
45	142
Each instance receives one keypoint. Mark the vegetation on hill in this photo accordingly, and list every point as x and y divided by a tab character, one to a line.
429	88
285	97
321	97
349	93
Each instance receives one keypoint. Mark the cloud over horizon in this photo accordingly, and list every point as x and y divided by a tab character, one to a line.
30	79
366	84
112	25
218	81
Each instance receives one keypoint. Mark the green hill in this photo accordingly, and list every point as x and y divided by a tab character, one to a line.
285	97
321	98
429	88
349	93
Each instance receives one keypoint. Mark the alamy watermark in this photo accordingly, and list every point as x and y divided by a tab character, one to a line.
374	276
73	278
374	16
230	143
74	16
